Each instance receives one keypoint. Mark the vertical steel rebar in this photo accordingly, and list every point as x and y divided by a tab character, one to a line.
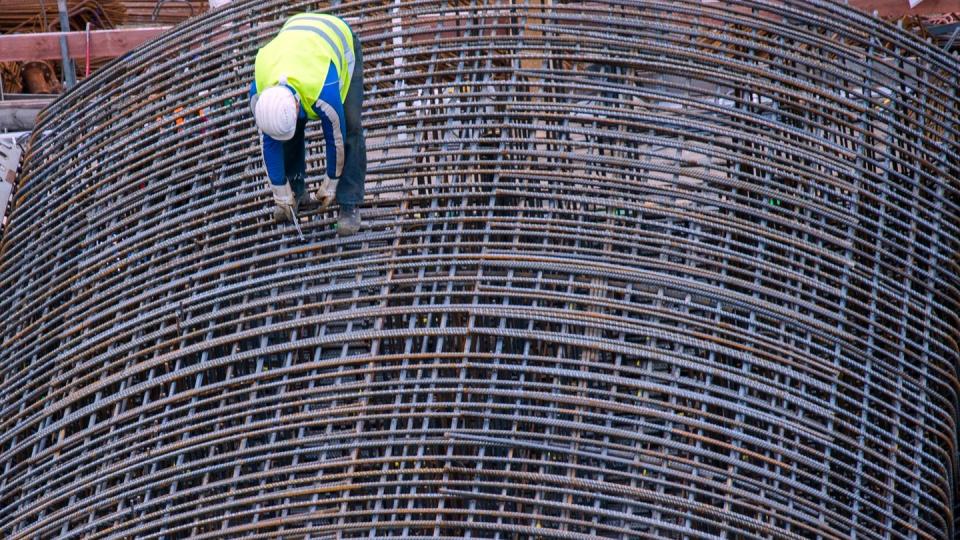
69	75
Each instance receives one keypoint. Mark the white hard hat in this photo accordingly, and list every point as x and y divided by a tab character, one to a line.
276	112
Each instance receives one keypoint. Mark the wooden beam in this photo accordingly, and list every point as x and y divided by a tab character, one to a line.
103	43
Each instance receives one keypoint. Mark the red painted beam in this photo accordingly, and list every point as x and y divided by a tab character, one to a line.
103	43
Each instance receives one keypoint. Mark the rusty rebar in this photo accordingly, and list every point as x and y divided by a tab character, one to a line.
630	269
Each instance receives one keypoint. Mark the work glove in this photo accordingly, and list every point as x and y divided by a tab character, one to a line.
327	191
283	197
306	201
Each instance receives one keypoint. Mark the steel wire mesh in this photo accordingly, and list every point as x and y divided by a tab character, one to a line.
631	269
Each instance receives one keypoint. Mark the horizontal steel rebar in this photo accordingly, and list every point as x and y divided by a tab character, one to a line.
629	269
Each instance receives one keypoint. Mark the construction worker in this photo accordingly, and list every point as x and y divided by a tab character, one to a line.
312	69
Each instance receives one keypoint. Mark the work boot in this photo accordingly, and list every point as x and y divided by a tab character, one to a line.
349	220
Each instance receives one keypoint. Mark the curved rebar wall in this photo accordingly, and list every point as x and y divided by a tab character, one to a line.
631	269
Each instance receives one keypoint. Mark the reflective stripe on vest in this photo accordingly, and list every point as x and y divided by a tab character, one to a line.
298	51
346	44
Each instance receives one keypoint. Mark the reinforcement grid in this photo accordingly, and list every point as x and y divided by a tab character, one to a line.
629	270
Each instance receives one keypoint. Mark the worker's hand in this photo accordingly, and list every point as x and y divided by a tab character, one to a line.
327	192
283	197
282	214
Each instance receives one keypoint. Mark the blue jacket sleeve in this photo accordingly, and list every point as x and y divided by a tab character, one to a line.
272	149
273	160
329	109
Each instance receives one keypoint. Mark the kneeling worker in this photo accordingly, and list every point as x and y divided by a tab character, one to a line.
312	70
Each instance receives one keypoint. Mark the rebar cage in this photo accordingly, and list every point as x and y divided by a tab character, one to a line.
629	269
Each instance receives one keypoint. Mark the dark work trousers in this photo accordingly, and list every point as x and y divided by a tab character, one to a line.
350	188
295	160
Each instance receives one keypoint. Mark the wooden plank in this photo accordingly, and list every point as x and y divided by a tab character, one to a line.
103	43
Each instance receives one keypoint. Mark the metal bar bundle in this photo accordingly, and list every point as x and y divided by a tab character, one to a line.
20	16
630	269
163	11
